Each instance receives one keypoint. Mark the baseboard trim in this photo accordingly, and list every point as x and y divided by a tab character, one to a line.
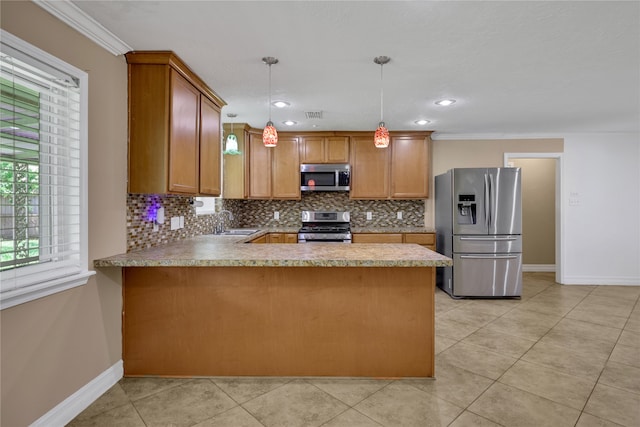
73	405
602	281
539	267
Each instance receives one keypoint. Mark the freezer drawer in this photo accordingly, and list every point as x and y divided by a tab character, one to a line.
483	244
487	275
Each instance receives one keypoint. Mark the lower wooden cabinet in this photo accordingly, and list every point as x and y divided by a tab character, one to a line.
428	240
261	239
376	238
277	238
282	238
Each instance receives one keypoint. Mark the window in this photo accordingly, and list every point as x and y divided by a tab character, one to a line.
43	152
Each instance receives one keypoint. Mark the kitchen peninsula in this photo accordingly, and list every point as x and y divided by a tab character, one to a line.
215	306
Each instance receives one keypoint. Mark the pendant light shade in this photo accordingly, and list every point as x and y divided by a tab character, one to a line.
381	137
231	143
270	134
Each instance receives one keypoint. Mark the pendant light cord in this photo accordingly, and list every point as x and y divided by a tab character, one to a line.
381	94
269	92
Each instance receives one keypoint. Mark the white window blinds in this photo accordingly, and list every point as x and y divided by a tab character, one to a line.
43	228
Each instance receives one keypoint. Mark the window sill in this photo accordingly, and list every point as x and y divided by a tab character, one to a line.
30	293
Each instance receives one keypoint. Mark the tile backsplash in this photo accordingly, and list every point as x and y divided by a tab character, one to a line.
142	208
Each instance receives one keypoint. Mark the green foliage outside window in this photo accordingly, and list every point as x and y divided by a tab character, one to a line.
19	175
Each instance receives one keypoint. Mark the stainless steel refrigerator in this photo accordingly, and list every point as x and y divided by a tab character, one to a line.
478	219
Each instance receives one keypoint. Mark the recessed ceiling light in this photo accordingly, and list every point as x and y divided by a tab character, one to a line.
280	104
445	102
290	122
422	122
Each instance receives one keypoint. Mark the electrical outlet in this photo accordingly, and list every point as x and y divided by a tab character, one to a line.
175	222
399	215
369	216
276	215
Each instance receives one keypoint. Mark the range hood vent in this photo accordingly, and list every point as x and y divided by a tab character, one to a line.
313	114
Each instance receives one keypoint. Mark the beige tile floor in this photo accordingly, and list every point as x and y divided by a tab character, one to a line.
560	356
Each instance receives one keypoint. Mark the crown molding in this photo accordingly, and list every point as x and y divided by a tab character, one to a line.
73	16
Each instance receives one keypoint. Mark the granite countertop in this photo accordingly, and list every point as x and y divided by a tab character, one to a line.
231	251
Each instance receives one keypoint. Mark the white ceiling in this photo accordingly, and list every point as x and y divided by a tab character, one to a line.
514	67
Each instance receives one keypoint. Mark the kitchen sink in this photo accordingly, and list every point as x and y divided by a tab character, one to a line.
239	231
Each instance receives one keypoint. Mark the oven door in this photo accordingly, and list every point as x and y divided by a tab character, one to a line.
324	238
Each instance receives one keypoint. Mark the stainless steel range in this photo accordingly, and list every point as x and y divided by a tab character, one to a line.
319	226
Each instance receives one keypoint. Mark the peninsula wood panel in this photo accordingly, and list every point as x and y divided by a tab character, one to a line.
278	321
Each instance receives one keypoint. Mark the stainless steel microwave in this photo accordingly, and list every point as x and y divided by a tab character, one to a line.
325	177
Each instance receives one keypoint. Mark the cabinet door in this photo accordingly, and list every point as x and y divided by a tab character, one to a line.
259	172
209	148
291	238
261	239
312	150
183	136
369	169
275	237
428	240
285	173
376	238
337	149
409	167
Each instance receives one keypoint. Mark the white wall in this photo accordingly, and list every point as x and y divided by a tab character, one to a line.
601	204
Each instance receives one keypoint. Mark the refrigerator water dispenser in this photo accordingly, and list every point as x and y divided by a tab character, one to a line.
466	209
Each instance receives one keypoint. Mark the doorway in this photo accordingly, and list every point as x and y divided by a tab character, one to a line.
542	216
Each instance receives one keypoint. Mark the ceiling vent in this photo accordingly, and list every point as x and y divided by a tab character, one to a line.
313	114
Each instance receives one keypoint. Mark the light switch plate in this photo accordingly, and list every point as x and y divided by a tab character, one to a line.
276	215
369	216
399	215
181	225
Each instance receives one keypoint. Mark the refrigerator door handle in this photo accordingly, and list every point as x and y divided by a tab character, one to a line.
489	238
487	190
488	257
492	206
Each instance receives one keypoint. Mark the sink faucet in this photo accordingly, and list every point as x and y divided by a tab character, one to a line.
219	227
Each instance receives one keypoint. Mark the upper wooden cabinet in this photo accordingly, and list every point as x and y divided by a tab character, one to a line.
234	164
400	171
410	166
174	127
273	172
324	149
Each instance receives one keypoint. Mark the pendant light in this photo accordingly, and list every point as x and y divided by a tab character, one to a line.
231	143
381	137
270	134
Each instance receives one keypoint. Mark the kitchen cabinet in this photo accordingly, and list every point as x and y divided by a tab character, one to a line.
428	240
174	127
324	149
410	167
369	169
282	238
210	149
376	238
261	239
274	172
401	171
234	181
